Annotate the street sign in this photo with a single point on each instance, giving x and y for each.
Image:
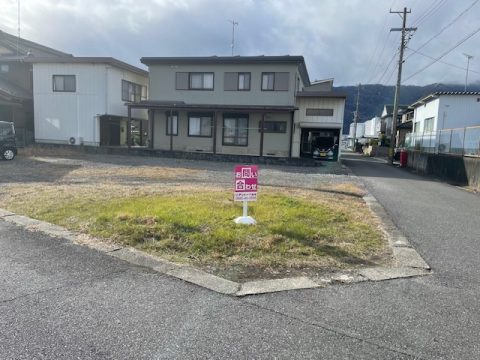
(245, 190)
(246, 177)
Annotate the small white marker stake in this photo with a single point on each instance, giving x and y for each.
(245, 185)
(245, 219)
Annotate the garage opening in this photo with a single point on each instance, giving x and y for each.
(322, 140)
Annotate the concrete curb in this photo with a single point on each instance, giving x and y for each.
(408, 262)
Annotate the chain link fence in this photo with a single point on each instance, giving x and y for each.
(461, 141)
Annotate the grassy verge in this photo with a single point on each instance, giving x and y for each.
(296, 231)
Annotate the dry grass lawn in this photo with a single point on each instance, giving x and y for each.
(299, 231)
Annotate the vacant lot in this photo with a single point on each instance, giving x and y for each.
(309, 220)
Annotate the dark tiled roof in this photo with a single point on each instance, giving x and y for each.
(389, 108)
(22, 47)
(222, 59)
(434, 95)
(457, 93)
(10, 91)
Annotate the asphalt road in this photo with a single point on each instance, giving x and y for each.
(61, 301)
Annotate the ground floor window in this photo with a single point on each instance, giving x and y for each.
(274, 127)
(200, 125)
(172, 123)
(235, 130)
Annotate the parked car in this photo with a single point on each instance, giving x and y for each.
(8, 147)
(325, 149)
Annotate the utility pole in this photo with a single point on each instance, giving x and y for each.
(403, 43)
(355, 119)
(468, 63)
(234, 23)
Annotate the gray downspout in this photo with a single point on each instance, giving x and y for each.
(262, 130)
(171, 129)
(291, 134)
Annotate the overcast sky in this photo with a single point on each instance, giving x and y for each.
(348, 40)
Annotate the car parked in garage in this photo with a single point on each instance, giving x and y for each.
(8, 147)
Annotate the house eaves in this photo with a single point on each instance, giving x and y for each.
(90, 60)
(435, 95)
(323, 94)
(218, 60)
(181, 105)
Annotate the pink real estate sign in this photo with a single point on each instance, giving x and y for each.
(246, 177)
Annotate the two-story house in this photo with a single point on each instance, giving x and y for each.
(81, 101)
(240, 105)
(16, 82)
(446, 110)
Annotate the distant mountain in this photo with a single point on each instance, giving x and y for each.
(374, 97)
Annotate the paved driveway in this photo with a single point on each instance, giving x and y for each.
(58, 300)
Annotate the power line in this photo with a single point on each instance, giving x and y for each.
(442, 62)
(444, 54)
(379, 59)
(391, 74)
(370, 61)
(388, 66)
(447, 26)
(431, 10)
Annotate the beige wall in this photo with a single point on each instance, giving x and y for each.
(318, 122)
(273, 145)
(162, 85)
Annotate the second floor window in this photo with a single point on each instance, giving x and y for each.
(201, 81)
(275, 81)
(131, 92)
(237, 81)
(64, 83)
(428, 126)
(194, 81)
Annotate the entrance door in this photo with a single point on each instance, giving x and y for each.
(109, 131)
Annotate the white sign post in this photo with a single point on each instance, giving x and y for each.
(245, 190)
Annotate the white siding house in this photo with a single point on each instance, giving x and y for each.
(82, 100)
(446, 110)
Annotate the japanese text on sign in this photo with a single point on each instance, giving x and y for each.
(246, 182)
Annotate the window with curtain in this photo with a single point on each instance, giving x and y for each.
(428, 126)
(200, 125)
(172, 123)
(268, 80)
(131, 92)
(201, 81)
(235, 130)
(64, 83)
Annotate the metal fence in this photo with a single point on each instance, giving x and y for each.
(461, 141)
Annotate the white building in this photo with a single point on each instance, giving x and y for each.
(360, 134)
(446, 110)
(373, 127)
(81, 100)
